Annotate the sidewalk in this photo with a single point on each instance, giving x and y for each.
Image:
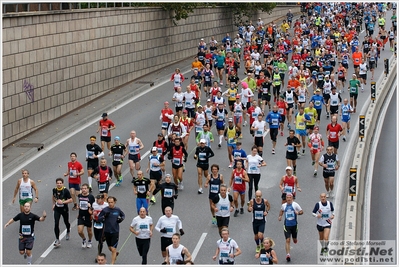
(39, 140)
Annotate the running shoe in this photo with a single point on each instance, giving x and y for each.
(241, 210)
(181, 185)
(236, 213)
(214, 222)
(344, 138)
(262, 246)
(257, 250)
(75, 207)
(313, 163)
(331, 194)
(89, 244)
(219, 145)
(25, 256)
(240, 136)
(289, 126)
(303, 151)
(328, 194)
(118, 183)
(288, 257)
(200, 191)
(294, 173)
(322, 252)
(347, 131)
(231, 165)
(57, 243)
(245, 123)
(120, 178)
(153, 200)
(68, 235)
(273, 151)
(84, 243)
(315, 173)
(282, 134)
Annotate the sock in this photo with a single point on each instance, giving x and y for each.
(295, 168)
(220, 139)
(29, 258)
(257, 241)
(89, 179)
(260, 241)
(260, 153)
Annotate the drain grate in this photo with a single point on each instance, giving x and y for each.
(145, 82)
(39, 146)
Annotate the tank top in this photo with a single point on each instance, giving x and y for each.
(289, 97)
(104, 174)
(315, 140)
(300, 123)
(160, 146)
(199, 117)
(233, 94)
(231, 135)
(208, 112)
(258, 211)
(325, 212)
(334, 99)
(134, 147)
(330, 160)
(154, 159)
(175, 254)
(207, 75)
(263, 259)
(176, 129)
(25, 190)
(289, 184)
(301, 95)
(238, 183)
(214, 185)
(177, 155)
(223, 206)
(237, 110)
(220, 115)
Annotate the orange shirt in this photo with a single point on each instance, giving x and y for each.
(197, 65)
(357, 58)
(294, 83)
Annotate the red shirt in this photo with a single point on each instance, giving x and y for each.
(296, 59)
(333, 132)
(105, 125)
(165, 112)
(73, 169)
(195, 89)
(281, 107)
(238, 182)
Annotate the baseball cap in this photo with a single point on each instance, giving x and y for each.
(104, 115)
(231, 120)
(288, 168)
(117, 138)
(316, 128)
(199, 106)
(100, 196)
(202, 39)
(185, 111)
(208, 100)
(317, 90)
(160, 134)
(238, 96)
(154, 149)
(167, 175)
(327, 76)
(203, 141)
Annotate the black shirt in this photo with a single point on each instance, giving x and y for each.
(62, 194)
(142, 186)
(83, 205)
(27, 223)
(203, 154)
(96, 149)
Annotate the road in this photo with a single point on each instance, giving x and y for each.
(383, 188)
(142, 115)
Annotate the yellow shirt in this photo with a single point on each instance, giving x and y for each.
(300, 123)
(233, 94)
(312, 113)
(285, 27)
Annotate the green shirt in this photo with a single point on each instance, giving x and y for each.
(354, 86)
(282, 67)
(236, 49)
(251, 83)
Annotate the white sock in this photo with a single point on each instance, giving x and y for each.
(29, 259)
(220, 139)
(89, 179)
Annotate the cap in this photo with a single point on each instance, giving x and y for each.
(316, 128)
(117, 138)
(167, 175)
(327, 76)
(208, 100)
(244, 85)
(104, 115)
(231, 120)
(288, 168)
(160, 134)
(166, 102)
(154, 149)
(202, 141)
(238, 96)
(199, 106)
(100, 196)
(317, 90)
(280, 58)
(202, 39)
(185, 111)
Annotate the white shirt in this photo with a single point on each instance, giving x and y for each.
(169, 224)
(261, 127)
(253, 164)
(143, 226)
(179, 99)
(245, 95)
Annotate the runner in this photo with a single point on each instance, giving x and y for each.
(324, 212)
(169, 192)
(253, 164)
(177, 254)
(282, 110)
(93, 153)
(301, 118)
(74, 171)
(238, 112)
(316, 145)
(177, 128)
(220, 114)
(330, 164)
(227, 249)
(246, 94)
(222, 206)
(318, 102)
(61, 199)
(267, 255)
(231, 134)
(291, 210)
(142, 188)
(98, 227)
(189, 125)
(260, 208)
(205, 134)
(134, 146)
(202, 153)
(177, 78)
(142, 227)
(178, 155)
(209, 108)
(155, 165)
(166, 117)
(238, 179)
(214, 181)
(333, 132)
(189, 101)
(178, 97)
(101, 259)
(274, 119)
(239, 154)
(290, 97)
(346, 111)
(259, 129)
(111, 216)
(199, 120)
(25, 187)
(293, 145)
(167, 225)
(26, 230)
(288, 183)
(334, 101)
(105, 126)
(207, 75)
(103, 175)
(118, 153)
(86, 201)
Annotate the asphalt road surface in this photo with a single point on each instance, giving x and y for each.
(142, 115)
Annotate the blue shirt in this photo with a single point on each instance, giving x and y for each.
(274, 119)
(239, 153)
(109, 217)
(318, 101)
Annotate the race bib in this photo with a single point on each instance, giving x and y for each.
(258, 215)
(290, 148)
(290, 215)
(202, 156)
(26, 229)
(101, 187)
(164, 124)
(104, 131)
(90, 154)
(353, 89)
(301, 98)
(73, 174)
(176, 161)
(117, 157)
(83, 205)
(141, 189)
(281, 111)
(237, 180)
(214, 188)
(98, 225)
(288, 189)
(168, 192)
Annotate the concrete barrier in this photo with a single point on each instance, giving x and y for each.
(355, 209)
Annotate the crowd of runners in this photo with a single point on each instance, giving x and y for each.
(296, 74)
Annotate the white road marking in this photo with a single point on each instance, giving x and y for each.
(362, 31)
(198, 246)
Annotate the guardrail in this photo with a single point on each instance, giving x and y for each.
(358, 171)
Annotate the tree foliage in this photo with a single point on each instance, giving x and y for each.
(244, 11)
